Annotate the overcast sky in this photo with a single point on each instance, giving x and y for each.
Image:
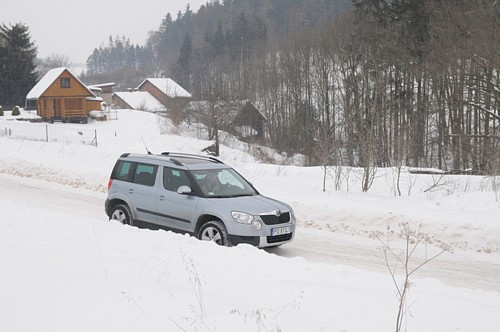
(74, 28)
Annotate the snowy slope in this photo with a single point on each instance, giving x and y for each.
(462, 210)
(70, 270)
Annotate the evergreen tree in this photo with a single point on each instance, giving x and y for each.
(184, 61)
(413, 21)
(218, 40)
(164, 33)
(165, 23)
(17, 64)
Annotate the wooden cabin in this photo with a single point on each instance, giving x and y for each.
(167, 91)
(61, 96)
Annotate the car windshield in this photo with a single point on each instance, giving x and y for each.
(222, 183)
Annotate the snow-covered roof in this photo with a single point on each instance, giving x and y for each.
(141, 100)
(104, 84)
(45, 83)
(168, 87)
(94, 98)
(94, 88)
(47, 80)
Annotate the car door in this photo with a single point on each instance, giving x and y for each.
(175, 210)
(142, 191)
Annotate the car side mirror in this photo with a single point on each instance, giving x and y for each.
(184, 190)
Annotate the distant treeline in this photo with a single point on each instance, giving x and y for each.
(119, 61)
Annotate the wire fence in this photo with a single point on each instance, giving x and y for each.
(103, 115)
(76, 134)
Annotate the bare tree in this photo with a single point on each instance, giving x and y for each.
(404, 260)
(326, 152)
(52, 61)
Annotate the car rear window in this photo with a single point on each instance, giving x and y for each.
(122, 171)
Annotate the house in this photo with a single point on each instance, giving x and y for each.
(167, 91)
(106, 92)
(95, 90)
(137, 100)
(60, 95)
(240, 118)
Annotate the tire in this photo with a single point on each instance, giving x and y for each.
(214, 231)
(121, 213)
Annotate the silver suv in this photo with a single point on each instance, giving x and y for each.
(198, 195)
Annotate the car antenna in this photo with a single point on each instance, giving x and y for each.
(149, 152)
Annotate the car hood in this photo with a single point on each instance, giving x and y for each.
(254, 205)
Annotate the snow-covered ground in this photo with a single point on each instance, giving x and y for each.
(66, 268)
(23, 115)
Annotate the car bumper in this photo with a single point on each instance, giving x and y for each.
(106, 207)
(262, 241)
(271, 241)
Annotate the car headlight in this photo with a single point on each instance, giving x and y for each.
(242, 217)
(292, 215)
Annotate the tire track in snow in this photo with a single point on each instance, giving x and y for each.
(470, 270)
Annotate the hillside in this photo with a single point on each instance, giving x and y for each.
(387, 83)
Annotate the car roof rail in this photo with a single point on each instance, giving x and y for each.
(175, 161)
(194, 156)
(125, 155)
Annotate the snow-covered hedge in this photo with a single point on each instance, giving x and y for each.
(16, 111)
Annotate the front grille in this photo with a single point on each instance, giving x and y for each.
(271, 219)
(279, 238)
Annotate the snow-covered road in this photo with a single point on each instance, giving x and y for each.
(461, 269)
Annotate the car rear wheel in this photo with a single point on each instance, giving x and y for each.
(214, 231)
(121, 213)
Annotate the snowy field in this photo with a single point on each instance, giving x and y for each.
(67, 268)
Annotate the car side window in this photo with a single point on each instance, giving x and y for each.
(122, 171)
(174, 178)
(145, 174)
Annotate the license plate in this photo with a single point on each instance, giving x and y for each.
(281, 230)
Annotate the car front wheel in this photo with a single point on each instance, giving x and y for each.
(122, 214)
(214, 231)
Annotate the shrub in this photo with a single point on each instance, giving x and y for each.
(16, 111)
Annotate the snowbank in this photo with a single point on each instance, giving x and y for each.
(24, 115)
(66, 272)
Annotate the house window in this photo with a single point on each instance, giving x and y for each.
(65, 82)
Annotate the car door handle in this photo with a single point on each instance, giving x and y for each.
(131, 191)
(162, 198)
